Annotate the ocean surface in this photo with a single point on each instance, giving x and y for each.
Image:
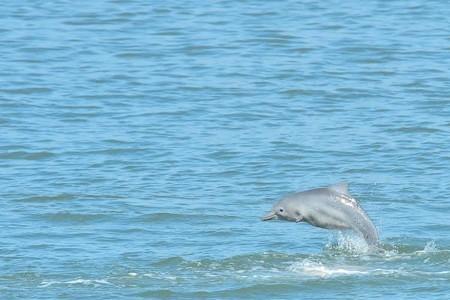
(141, 142)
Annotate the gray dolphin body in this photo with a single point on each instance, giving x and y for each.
(329, 207)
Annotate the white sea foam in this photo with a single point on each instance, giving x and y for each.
(314, 268)
(164, 276)
(318, 269)
(93, 282)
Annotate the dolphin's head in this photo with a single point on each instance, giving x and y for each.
(284, 210)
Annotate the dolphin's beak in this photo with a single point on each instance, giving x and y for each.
(269, 216)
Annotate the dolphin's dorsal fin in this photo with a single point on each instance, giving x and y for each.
(340, 187)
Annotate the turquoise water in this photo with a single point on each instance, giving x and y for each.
(141, 142)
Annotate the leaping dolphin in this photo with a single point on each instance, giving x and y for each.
(329, 207)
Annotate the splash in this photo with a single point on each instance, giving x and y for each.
(430, 247)
(348, 242)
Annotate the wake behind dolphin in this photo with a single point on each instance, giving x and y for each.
(330, 207)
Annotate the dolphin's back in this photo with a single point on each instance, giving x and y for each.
(361, 220)
(331, 209)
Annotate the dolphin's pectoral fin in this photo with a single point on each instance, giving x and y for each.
(298, 217)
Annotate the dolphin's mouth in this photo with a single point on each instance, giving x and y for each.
(269, 216)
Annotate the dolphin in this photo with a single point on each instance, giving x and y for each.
(329, 207)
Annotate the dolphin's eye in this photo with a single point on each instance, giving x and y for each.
(281, 210)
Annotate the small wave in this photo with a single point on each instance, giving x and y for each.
(27, 91)
(161, 293)
(317, 268)
(163, 216)
(69, 217)
(138, 55)
(67, 197)
(46, 198)
(79, 281)
(175, 260)
(269, 290)
(314, 268)
(26, 155)
(415, 129)
(394, 248)
(233, 263)
(113, 151)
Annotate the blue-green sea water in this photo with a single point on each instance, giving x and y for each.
(141, 142)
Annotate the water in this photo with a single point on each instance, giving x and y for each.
(140, 143)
